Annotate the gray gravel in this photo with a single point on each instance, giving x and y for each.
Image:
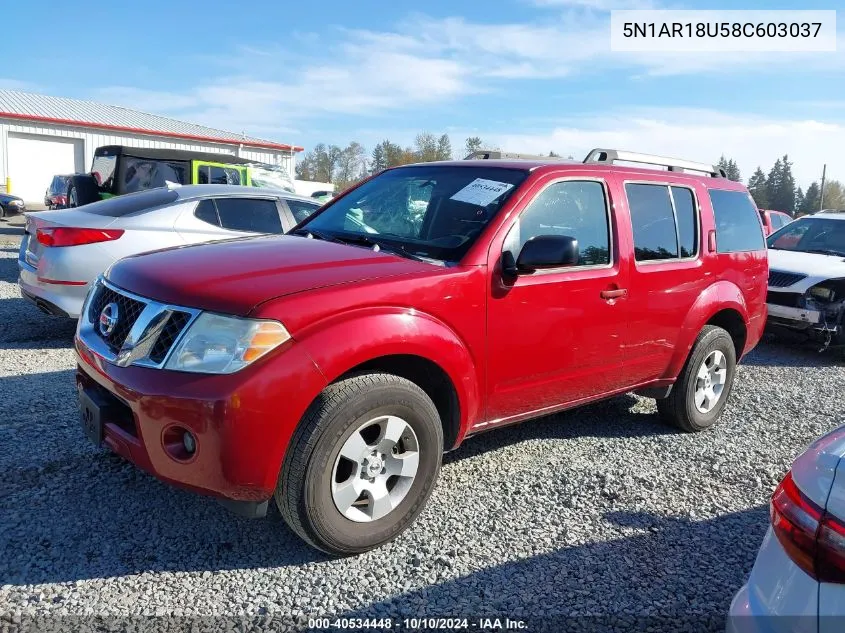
(601, 511)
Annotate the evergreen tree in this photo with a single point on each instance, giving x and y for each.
(730, 167)
(799, 199)
(810, 203)
(378, 160)
(785, 200)
(758, 188)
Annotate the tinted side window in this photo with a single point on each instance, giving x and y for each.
(301, 210)
(224, 176)
(202, 175)
(653, 222)
(141, 174)
(687, 220)
(574, 208)
(249, 214)
(737, 227)
(207, 212)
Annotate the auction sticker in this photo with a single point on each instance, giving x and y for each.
(481, 192)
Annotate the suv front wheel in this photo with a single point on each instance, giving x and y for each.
(362, 464)
(701, 391)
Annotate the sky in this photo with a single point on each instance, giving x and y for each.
(525, 75)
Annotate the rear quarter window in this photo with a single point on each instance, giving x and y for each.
(738, 227)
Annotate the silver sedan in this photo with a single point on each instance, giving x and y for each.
(64, 251)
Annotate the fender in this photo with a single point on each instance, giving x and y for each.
(341, 343)
(720, 296)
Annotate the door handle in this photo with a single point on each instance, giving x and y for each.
(619, 293)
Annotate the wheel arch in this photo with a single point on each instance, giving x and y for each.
(417, 347)
(722, 304)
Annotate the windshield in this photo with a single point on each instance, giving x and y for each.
(272, 177)
(103, 171)
(429, 211)
(811, 235)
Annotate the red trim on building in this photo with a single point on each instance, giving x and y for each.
(135, 130)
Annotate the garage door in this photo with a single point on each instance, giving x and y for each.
(34, 160)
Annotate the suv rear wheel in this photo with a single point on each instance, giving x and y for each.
(701, 392)
(362, 464)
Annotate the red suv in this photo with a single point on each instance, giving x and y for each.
(331, 368)
(774, 220)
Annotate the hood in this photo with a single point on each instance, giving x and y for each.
(815, 470)
(235, 276)
(7, 197)
(817, 267)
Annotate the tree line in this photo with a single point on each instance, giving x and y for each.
(344, 166)
(777, 191)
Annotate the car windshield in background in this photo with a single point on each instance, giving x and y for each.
(811, 235)
(103, 170)
(428, 211)
(271, 177)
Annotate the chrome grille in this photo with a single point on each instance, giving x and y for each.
(176, 323)
(129, 310)
(145, 332)
(779, 279)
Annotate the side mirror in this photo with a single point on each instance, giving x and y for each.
(547, 251)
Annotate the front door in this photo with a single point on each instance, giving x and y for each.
(556, 336)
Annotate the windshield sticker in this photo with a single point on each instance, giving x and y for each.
(481, 192)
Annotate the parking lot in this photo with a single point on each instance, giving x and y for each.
(599, 511)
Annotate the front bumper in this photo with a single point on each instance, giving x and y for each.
(14, 209)
(242, 422)
(801, 317)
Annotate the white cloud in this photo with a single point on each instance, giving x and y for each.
(423, 63)
(700, 135)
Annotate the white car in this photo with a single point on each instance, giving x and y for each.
(807, 277)
(798, 580)
(64, 251)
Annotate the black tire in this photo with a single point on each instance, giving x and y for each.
(679, 408)
(303, 494)
(82, 190)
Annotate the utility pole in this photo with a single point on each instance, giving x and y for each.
(821, 194)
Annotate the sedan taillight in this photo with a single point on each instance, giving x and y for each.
(66, 236)
(813, 539)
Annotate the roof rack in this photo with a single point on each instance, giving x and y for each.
(610, 156)
(491, 154)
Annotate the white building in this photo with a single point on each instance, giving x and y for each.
(42, 136)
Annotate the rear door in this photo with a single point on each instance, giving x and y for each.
(667, 273)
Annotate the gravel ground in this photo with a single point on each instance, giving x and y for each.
(601, 511)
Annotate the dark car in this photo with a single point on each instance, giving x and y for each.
(10, 205)
(56, 195)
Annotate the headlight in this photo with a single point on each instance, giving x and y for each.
(15, 203)
(216, 344)
(822, 293)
